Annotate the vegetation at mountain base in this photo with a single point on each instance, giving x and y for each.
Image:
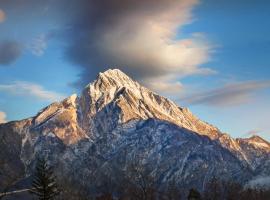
(44, 184)
(136, 184)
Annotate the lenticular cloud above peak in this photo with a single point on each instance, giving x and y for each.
(141, 38)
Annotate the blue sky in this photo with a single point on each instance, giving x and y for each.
(212, 57)
(242, 54)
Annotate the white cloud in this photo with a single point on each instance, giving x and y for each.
(31, 90)
(3, 117)
(38, 45)
(141, 38)
(165, 86)
(2, 16)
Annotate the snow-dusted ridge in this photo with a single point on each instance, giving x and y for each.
(116, 119)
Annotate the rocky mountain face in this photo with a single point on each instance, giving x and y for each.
(116, 122)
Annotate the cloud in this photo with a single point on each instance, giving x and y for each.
(9, 52)
(30, 90)
(259, 183)
(2, 16)
(38, 45)
(165, 87)
(139, 37)
(3, 117)
(253, 132)
(142, 38)
(228, 95)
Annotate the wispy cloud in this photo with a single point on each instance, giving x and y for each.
(31, 90)
(9, 51)
(228, 95)
(259, 183)
(2, 16)
(3, 117)
(38, 45)
(165, 87)
(253, 132)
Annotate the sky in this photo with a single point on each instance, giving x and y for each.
(210, 56)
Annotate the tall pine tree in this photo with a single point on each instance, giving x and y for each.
(44, 184)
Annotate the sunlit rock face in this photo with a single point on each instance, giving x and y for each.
(115, 121)
(115, 90)
(257, 152)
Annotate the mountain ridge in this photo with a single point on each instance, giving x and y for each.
(116, 119)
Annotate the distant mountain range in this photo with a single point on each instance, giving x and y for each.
(116, 122)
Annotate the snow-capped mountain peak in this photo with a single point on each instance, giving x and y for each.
(114, 120)
(113, 87)
(112, 78)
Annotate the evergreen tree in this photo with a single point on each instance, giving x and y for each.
(44, 183)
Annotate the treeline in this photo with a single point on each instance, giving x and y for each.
(136, 183)
(214, 190)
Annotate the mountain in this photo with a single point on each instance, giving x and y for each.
(116, 123)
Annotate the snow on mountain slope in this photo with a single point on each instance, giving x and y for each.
(61, 120)
(137, 102)
(133, 101)
(114, 121)
(256, 142)
(257, 151)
